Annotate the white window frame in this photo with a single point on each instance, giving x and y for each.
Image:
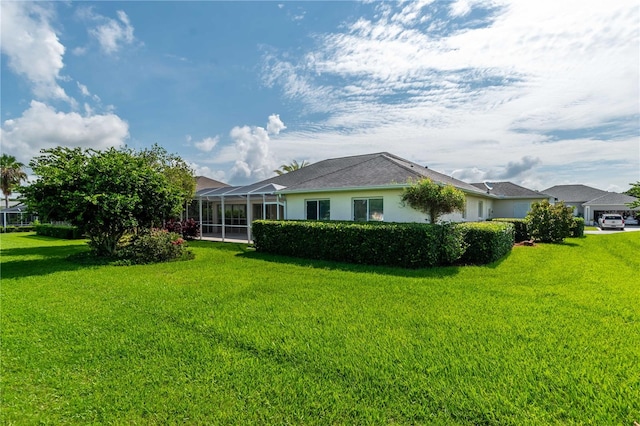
(317, 201)
(481, 209)
(368, 200)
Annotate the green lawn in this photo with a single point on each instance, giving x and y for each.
(549, 335)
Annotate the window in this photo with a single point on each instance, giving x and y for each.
(464, 210)
(318, 210)
(365, 209)
(480, 209)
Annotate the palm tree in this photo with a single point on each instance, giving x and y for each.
(11, 175)
(286, 168)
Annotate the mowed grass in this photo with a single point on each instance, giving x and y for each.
(549, 335)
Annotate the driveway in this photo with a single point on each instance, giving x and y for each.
(613, 231)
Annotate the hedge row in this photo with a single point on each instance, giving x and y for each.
(522, 233)
(59, 231)
(12, 228)
(486, 241)
(409, 245)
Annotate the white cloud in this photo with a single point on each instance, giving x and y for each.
(207, 144)
(536, 78)
(254, 160)
(32, 47)
(42, 127)
(112, 34)
(275, 125)
(205, 171)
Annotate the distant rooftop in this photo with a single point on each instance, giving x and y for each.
(509, 189)
(574, 193)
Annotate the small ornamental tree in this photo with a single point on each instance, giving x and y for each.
(104, 193)
(550, 223)
(433, 199)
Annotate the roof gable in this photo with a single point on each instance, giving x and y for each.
(612, 198)
(370, 170)
(574, 193)
(509, 189)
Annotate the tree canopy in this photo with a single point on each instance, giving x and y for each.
(294, 165)
(433, 199)
(634, 192)
(107, 193)
(11, 174)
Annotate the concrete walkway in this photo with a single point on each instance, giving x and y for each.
(613, 231)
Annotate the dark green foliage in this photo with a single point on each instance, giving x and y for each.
(409, 245)
(549, 223)
(577, 230)
(59, 231)
(153, 246)
(105, 193)
(433, 198)
(189, 229)
(11, 228)
(521, 233)
(487, 241)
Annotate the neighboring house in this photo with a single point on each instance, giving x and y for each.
(359, 188)
(591, 203)
(192, 209)
(16, 215)
(513, 201)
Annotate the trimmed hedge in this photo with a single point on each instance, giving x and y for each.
(12, 228)
(486, 241)
(59, 231)
(409, 245)
(577, 231)
(521, 231)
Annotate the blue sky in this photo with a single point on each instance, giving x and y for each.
(538, 93)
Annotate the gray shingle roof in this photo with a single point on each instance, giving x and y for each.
(509, 189)
(574, 193)
(370, 170)
(203, 182)
(612, 198)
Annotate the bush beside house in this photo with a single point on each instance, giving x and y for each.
(486, 241)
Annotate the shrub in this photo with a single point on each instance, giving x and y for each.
(550, 223)
(154, 245)
(521, 230)
(59, 231)
(486, 241)
(189, 229)
(410, 245)
(577, 230)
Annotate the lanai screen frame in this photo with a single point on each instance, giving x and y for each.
(266, 191)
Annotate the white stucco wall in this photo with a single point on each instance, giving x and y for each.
(513, 208)
(394, 211)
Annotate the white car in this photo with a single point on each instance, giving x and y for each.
(631, 221)
(611, 221)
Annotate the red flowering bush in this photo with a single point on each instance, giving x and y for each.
(155, 245)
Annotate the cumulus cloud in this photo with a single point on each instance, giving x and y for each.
(254, 160)
(206, 171)
(207, 144)
(111, 34)
(32, 47)
(42, 127)
(516, 168)
(275, 125)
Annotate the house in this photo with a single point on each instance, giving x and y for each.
(513, 201)
(359, 188)
(591, 203)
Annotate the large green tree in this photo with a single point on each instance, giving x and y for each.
(634, 192)
(286, 168)
(105, 193)
(433, 198)
(11, 175)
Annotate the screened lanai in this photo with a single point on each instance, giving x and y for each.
(227, 212)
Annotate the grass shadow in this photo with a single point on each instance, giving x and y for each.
(435, 272)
